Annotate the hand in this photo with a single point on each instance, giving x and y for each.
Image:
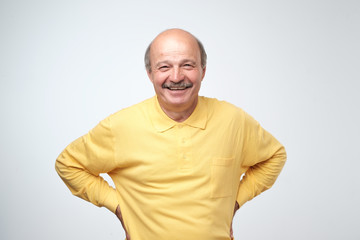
(119, 215)
(231, 228)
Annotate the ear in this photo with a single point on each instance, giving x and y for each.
(203, 73)
(149, 75)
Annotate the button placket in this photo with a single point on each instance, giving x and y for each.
(184, 148)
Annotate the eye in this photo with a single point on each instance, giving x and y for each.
(188, 66)
(163, 68)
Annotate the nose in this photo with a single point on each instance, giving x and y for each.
(176, 75)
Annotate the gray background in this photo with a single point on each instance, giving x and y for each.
(293, 65)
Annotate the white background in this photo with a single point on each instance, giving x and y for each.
(293, 65)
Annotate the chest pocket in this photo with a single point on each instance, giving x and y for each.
(222, 177)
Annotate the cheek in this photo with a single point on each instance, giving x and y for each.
(195, 77)
(159, 78)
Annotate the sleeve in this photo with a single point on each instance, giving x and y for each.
(80, 164)
(263, 157)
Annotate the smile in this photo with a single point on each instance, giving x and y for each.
(177, 86)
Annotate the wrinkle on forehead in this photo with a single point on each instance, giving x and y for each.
(175, 43)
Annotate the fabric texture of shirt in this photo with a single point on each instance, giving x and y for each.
(173, 180)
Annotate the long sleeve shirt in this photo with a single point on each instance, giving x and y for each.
(173, 180)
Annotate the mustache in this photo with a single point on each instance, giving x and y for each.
(181, 85)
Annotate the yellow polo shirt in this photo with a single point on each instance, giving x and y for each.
(173, 180)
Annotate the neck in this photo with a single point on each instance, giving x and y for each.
(179, 114)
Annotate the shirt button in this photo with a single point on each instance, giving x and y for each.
(184, 156)
(180, 126)
(183, 140)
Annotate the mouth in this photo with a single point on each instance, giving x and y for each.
(177, 86)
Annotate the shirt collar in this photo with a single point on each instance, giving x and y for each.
(162, 122)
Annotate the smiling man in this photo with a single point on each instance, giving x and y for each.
(181, 164)
(176, 70)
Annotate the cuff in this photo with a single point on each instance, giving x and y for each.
(111, 201)
(243, 196)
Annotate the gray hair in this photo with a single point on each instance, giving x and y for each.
(203, 55)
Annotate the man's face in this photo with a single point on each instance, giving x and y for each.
(176, 71)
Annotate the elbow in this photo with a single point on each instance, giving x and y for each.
(282, 154)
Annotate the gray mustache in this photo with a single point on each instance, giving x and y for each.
(177, 85)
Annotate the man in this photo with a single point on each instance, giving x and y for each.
(176, 159)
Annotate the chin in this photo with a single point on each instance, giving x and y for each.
(177, 102)
(180, 101)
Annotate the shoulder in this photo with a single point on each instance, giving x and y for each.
(133, 115)
(223, 109)
(228, 113)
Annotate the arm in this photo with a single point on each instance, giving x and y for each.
(231, 228)
(120, 217)
(80, 164)
(263, 157)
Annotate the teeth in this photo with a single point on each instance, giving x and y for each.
(177, 88)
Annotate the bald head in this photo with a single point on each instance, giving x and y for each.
(174, 34)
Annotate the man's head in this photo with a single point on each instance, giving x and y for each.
(201, 48)
(176, 64)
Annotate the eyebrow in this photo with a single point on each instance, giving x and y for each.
(182, 62)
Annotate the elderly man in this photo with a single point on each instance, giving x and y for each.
(181, 164)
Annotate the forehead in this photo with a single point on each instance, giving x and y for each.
(175, 46)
